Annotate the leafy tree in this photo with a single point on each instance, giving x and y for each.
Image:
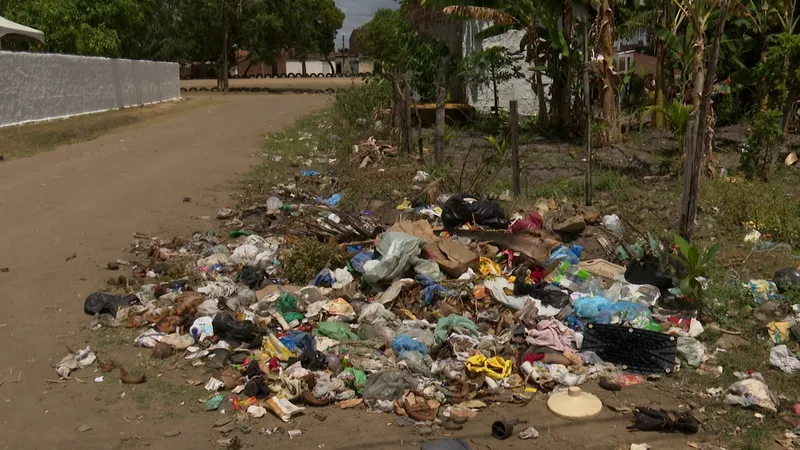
(312, 28)
(491, 66)
(86, 27)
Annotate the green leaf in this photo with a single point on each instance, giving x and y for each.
(686, 286)
(694, 256)
(711, 254)
(683, 246)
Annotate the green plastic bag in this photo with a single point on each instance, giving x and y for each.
(445, 324)
(335, 330)
(287, 306)
(360, 381)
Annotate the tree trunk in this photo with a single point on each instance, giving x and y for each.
(763, 100)
(660, 56)
(605, 19)
(333, 69)
(536, 81)
(696, 134)
(441, 99)
(405, 130)
(788, 106)
(565, 97)
(303, 63)
(698, 65)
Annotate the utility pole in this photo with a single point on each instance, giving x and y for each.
(224, 47)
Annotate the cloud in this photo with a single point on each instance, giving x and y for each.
(357, 13)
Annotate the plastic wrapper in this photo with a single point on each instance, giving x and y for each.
(496, 367)
(782, 358)
(342, 278)
(690, 351)
(283, 408)
(417, 362)
(376, 314)
(751, 392)
(335, 330)
(763, 290)
(453, 322)
(74, 361)
(274, 348)
(419, 334)
(396, 249)
(403, 343)
(785, 279)
(602, 310)
(387, 385)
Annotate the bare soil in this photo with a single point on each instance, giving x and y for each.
(86, 200)
(278, 83)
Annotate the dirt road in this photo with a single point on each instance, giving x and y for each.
(86, 200)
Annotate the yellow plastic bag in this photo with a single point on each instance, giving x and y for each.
(496, 367)
(779, 332)
(489, 267)
(274, 348)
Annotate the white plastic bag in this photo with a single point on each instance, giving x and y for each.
(395, 249)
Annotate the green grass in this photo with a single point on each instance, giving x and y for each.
(573, 188)
(27, 140)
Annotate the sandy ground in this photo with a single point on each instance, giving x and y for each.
(87, 199)
(278, 83)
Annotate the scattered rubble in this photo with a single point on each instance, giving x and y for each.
(430, 319)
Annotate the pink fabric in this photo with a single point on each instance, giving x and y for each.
(532, 221)
(552, 334)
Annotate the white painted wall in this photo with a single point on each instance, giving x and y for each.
(42, 86)
(482, 97)
(317, 67)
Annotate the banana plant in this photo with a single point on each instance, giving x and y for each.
(696, 263)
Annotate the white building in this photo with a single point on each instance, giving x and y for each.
(521, 90)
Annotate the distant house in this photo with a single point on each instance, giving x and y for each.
(359, 61)
(460, 36)
(246, 67)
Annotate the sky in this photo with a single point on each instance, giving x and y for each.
(357, 13)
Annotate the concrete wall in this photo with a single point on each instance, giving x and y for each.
(482, 97)
(41, 86)
(296, 67)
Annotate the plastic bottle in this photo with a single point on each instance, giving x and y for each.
(576, 279)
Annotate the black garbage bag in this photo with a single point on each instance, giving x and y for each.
(313, 360)
(648, 419)
(252, 276)
(461, 208)
(648, 271)
(254, 382)
(549, 294)
(786, 279)
(227, 327)
(102, 303)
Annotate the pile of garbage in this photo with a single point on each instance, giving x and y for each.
(432, 319)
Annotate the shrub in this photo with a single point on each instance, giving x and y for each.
(760, 147)
(361, 110)
(306, 257)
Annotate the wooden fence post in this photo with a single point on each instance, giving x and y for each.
(515, 146)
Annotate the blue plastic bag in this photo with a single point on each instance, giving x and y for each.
(430, 288)
(405, 343)
(562, 253)
(601, 310)
(360, 259)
